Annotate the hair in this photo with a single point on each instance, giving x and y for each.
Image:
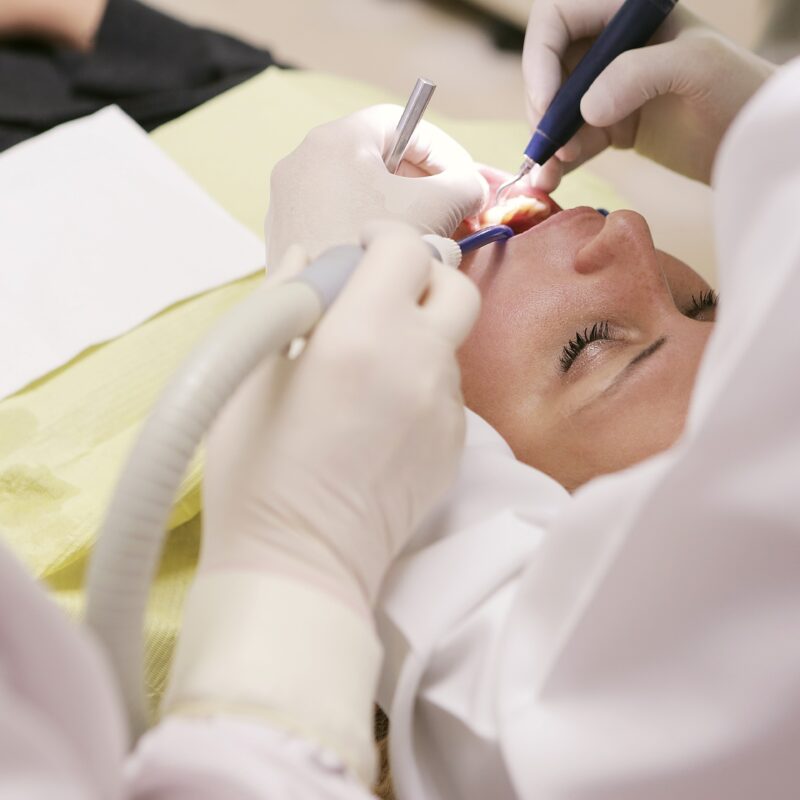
(383, 786)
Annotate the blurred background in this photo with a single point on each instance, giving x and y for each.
(471, 49)
(157, 68)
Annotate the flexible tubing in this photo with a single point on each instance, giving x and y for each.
(129, 547)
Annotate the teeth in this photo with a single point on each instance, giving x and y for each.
(515, 208)
(536, 204)
(494, 216)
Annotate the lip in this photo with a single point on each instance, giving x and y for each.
(513, 212)
(483, 265)
(560, 218)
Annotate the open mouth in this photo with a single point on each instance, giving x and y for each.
(524, 208)
(520, 213)
(516, 215)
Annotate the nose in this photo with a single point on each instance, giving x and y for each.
(623, 252)
(621, 262)
(623, 241)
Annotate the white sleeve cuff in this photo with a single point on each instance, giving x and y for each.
(269, 647)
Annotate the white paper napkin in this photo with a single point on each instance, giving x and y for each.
(100, 230)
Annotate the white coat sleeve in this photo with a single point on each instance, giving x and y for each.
(230, 758)
(62, 733)
(647, 646)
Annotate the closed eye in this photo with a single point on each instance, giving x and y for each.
(704, 301)
(599, 331)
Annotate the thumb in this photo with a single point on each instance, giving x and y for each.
(633, 79)
(435, 203)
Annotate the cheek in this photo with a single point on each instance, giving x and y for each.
(505, 360)
(504, 372)
(648, 419)
(488, 370)
(573, 451)
(682, 280)
(645, 429)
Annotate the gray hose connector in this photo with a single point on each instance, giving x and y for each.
(329, 272)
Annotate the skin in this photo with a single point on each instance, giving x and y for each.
(620, 401)
(73, 23)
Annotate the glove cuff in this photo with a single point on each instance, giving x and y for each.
(268, 647)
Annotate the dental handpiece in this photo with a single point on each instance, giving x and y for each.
(631, 27)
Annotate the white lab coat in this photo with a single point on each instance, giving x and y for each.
(62, 733)
(638, 641)
(641, 639)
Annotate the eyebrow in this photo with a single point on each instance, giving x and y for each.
(646, 353)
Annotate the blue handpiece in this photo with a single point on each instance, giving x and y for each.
(631, 27)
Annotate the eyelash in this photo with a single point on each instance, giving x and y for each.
(598, 332)
(701, 302)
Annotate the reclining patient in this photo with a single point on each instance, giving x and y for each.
(588, 343)
(589, 338)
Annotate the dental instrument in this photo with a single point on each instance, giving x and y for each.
(412, 114)
(631, 27)
(495, 233)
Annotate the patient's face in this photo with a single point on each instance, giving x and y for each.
(588, 343)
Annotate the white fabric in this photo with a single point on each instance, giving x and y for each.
(641, 639)
(99, 231)
(61, 731)
(235, 759)
(278, 663)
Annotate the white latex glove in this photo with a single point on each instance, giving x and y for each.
(323, 192)
(672, 101)
(322, 466)
(317, 472)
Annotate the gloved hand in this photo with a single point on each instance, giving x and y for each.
(324, 465)
(323, 192)
(672, 101)
(316, 474)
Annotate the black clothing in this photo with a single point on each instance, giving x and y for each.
(154, 67)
